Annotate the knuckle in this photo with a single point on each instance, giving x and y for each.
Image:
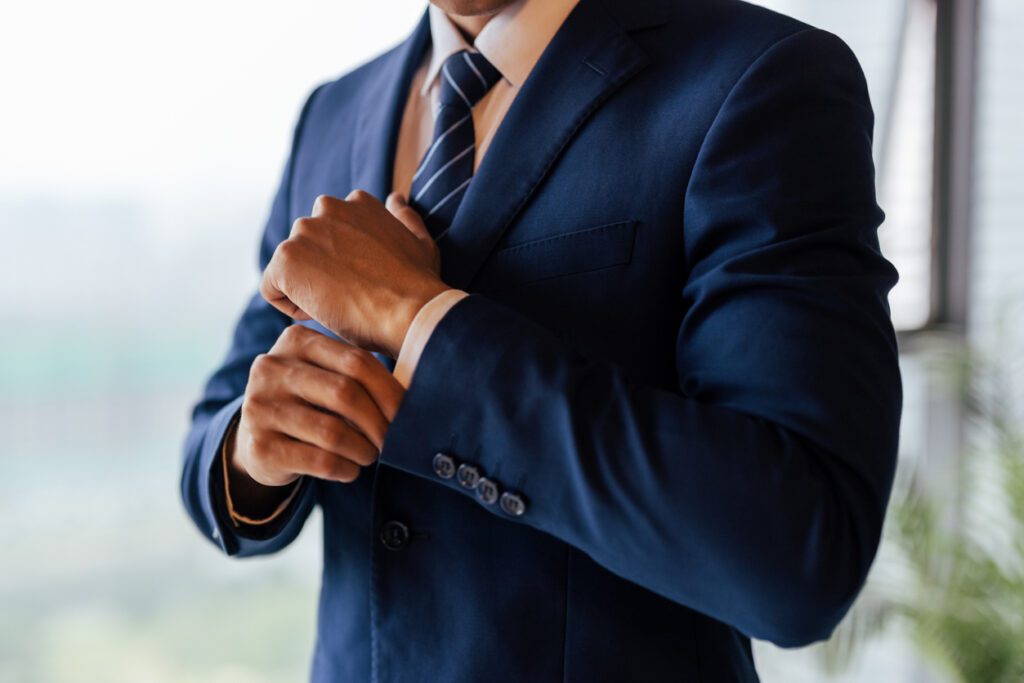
(344, 391)
(284, 252)
(358, 196)
(294, 334)
(301, 226)
(260, 366)
(290, 252)
(264, 376)
(324, 203)
(323, 464)
(332, 436)
(354, 361)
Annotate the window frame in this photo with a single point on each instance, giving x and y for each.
(954, 146)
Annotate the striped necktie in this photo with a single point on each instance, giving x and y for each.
(443, 176)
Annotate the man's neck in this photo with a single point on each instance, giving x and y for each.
(470, 26)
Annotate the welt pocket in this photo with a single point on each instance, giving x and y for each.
(569, 253)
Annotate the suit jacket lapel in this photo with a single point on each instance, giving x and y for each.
(590, 56)
(380, 116)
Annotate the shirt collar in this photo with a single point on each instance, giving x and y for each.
(513, 40)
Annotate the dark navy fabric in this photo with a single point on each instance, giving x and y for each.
(443, 175)
(677, 354)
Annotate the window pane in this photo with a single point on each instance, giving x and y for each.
(997, 277)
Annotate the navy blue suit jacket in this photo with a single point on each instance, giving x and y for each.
(677, 349)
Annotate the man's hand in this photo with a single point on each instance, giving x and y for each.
(360, 268)
(313, 405)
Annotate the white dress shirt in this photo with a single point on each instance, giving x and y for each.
(513, 40)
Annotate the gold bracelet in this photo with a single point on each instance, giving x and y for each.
(236, 518)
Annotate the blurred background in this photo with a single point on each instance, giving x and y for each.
(139, 147)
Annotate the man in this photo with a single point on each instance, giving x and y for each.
(646, 398)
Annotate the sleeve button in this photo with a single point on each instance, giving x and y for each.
(487, 491)
(512, 504)
(468, 476)
(444, 465)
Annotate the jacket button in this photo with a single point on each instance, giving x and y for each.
(487, 491)
(394, 535)
(444, 465)
(512, 504)
(468, 476)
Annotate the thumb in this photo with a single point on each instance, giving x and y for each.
(401, 210)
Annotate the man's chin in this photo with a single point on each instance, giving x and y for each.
(471, 8)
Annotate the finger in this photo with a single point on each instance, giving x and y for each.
(360, 197)
(326, 431)
(345, 359)
(278, 300)
(325, 205)
(272, 291)
(408, 216)
(298, 457)
(339, 394)
(360, 365)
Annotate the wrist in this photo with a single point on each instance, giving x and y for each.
(420, 331)
(404, 312)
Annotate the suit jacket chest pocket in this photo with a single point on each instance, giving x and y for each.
(571, 253)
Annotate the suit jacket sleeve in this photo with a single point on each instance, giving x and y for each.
(755, 493)
(256, 331)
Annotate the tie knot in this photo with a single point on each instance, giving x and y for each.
(465, 78)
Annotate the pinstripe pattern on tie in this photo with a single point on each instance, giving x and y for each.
(446, 169)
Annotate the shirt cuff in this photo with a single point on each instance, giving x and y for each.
(236, 518)
(420, 330)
